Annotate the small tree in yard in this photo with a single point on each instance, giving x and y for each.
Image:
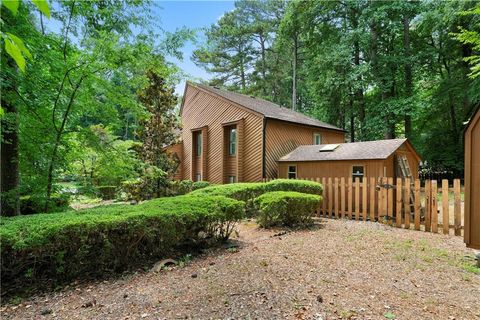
(160, 128)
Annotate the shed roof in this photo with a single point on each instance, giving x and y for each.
(368, 150)
(266, 108)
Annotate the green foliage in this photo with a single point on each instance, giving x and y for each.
(200, 185)
(32, 204)
(59, 247)
(247, 192)
(380, 69)
(107, 192)
(152, 183)
(286, 208)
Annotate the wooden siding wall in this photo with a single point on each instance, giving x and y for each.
(472, 183)
(177, 149)
(231, 164)
(338, 168)
(283, 137)
(203, 109)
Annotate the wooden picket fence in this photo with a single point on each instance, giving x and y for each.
(401, 203)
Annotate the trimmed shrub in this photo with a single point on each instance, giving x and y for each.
(248, 191)
(286, 208)
(200, 185)
(58, 247)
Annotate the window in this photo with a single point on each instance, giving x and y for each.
(198, 177)
(232, 142)
(317, 138)
(232, 179)
(292, 172)
(358, 172)
(198, 143)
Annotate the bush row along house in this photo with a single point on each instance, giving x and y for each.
(229, 137)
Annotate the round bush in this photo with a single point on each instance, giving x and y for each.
(286, 208)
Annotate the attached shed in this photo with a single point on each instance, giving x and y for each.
(472, 182)
(381, 158)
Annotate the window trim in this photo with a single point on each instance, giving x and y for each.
(290, 172)
(230, 131)
(315, 135)
(357, 175)
(198, 143)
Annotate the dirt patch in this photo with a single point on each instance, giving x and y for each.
(337, 270)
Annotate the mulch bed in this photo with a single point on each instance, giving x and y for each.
(336, 270)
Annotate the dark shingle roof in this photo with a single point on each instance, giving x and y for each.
(368, 150)
(267, 108)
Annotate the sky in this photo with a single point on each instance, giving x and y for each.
(193, 15)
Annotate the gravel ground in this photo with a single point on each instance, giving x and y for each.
(337, 270)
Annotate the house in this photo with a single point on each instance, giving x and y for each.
(381, 158)
(472, 182)
(229, 137)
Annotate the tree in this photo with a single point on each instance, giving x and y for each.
(160, 129)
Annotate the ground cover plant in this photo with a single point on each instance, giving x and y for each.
(58, 247)
(286, 208)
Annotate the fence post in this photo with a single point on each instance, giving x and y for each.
(445, 207)
(398, 212)
(434, 207)
(417, 204)
(457, 208)
(380, 200)
(406, 203)
(428, 194)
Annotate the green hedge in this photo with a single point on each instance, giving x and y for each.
(286, 208)
(248, 191)
(55, 248)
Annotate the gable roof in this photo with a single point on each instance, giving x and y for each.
(266, 108)
(368, 150)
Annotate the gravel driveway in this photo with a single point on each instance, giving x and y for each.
(337, 270)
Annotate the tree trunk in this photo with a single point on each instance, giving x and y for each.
(294, 72)
(58, 139)
(10, 204)
(408, 75)
(359, 92)
(264, 65)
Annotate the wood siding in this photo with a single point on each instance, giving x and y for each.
(343, 168)
(337, 168)
(202, 109)
(176, 151)
(282, 138)
(472, 183)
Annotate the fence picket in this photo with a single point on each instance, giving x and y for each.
(330, 197)
(372, 199)
(406, 203)
(336, 198)
(342, 197)
(390, 199)
(350, 198)
(325, 198)
(457, 208)
(357, 198)
(380, 200)
(428, 194)
(434, 207)
(398, 212)
(417, 204)
(445, 207)
(364, 198)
